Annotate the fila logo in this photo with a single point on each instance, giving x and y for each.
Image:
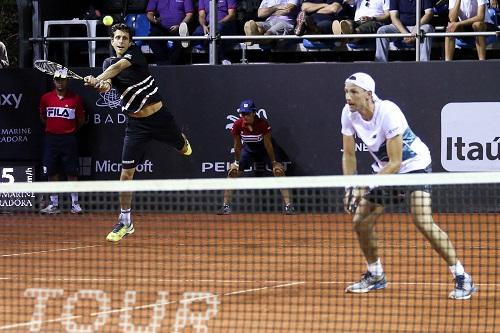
(57, 112)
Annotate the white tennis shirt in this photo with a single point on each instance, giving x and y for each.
(388, 121)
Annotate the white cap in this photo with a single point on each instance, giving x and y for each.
(362, 80)
(61, 73)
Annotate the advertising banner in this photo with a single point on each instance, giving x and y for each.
(20, 126)
(470, 139)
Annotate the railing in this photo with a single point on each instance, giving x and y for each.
(213, 37)
(212, 53)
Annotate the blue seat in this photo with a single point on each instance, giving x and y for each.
(138, 26)
(362, 45)
(142, 27)
(130, 20)
(470, 42)
(318, 44)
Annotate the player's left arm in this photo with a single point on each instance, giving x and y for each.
(395, 154)
(278, 169)
(268, 144)
(114, 69)
(237, 147)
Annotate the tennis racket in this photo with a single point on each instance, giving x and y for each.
(49, 67)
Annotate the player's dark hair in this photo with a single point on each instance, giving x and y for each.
(123, 27)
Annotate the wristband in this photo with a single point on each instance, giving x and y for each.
(236, 163)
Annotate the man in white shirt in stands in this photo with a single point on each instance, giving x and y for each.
(369, 16)
(279, 19)
(468, 16)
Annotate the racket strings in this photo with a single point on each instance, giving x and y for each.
(50, 68)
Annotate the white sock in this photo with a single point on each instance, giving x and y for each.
(125, 213)
(54, 200)
(74, 198)
(376, 268)
(457, 269)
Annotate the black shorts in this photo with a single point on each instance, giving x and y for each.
(60, 154)
(256, 159)
(387, 195)
(159, 126)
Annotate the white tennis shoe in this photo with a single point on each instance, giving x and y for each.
(184, 32)
(50, 209)
(76, 208)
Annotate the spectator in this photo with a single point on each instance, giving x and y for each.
(468, 16)
(61, 110)
(252, 142)
(226, 21)
(4, 59)
(169, 18)
(403, 17)
(279, 18)
(317, 16)
(370, 15)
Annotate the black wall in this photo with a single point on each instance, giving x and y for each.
(302, 102)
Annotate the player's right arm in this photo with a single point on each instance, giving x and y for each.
(352, 195)
(234, 168)
(237, 147)
(349, 162)
(103, 81)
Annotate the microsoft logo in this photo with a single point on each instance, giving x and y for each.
(85, 166)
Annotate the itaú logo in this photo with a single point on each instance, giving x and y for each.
(470, 139)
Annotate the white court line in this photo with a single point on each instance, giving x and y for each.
(263, 288)
(49, 251)
(279, 283)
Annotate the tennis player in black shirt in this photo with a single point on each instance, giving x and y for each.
(148, 118)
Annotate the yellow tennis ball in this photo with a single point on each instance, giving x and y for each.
(107, 20)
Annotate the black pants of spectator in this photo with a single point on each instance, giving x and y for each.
(324, 26)
(367, 27)
(165, 52)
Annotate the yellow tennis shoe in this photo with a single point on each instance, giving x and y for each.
(119, 231)
(187, 151)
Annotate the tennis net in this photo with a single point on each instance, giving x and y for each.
(187, 269)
